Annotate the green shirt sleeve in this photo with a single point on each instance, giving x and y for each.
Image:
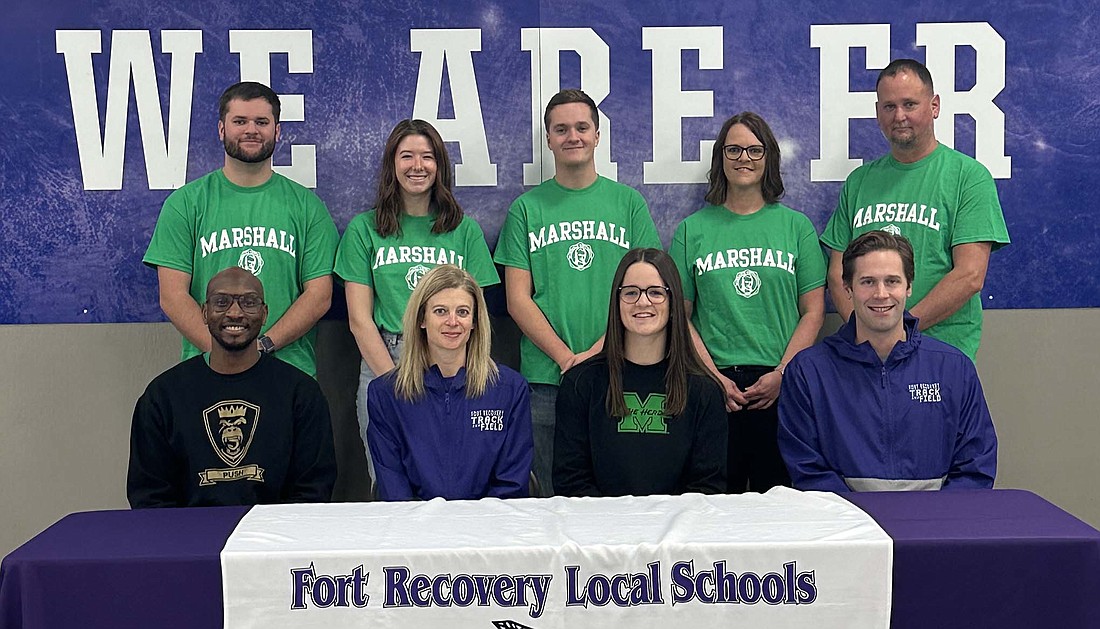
(643, 224)
(810, 272)
(353, 257)
(838, 231)
(979, 218)
(478, 261)
(678, 252)
(173, 243)
(321, 241)
(512, 245)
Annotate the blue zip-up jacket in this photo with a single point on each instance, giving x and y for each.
(447, 445)
(848, 421)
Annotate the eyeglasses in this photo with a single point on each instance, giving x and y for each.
(249, 302)
(655, 294)
(733, 151)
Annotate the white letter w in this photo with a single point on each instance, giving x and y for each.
(102, 153)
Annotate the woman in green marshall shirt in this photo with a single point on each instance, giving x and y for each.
(416, 224)
(754, 276)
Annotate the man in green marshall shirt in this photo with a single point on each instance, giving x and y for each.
(944, 202)
(247, 215)
(560, 246)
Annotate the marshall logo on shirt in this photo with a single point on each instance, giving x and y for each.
(230, 425)
(412, 277)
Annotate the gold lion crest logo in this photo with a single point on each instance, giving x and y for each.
(230, 427)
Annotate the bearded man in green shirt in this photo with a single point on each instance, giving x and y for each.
(247, 215)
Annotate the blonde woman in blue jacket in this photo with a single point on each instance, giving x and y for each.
(448, 421)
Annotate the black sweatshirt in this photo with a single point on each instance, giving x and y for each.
(200, 438)
(645, 452)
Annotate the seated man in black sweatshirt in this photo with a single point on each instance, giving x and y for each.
(235, 426)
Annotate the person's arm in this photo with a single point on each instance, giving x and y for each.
(573, 472)
(811, 308)
(361, 320)
(154, 467)
(836, 285)
(734, 398)
(318, 256)
(512, 470)
(180, 307)
(312, 472)
(965, 279)
(799, 442)
(974, 463)
(385, 445)
(706, 471)
(596, 348)
(304, 313)
(531, 321)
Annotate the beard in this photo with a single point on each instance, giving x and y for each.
(239, 344)
(233, 149)
(904, 142)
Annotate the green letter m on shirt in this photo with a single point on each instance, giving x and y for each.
(647, 416)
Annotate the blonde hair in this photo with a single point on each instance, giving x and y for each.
(415, 358)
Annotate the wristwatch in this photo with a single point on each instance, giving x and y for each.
(267, 346)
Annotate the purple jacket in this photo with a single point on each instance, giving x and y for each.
(447, 445)
(848, 421)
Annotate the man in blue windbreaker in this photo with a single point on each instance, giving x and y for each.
(878, 406)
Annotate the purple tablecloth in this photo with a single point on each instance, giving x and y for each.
(146, 569)
(1004, 558)
(975, 559)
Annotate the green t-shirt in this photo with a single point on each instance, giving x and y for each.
(280, 231)
(745, 274)
(943, 200)
(393, 265)
(571, 241)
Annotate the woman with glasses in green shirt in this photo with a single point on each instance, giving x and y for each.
(754, 276)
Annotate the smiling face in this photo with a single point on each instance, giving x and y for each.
(878, 291)
(742, 172)
(447, 321)
(234, 328)
(572, 135)
(643, 318)
(415, 166)
(907, 110)
(249, 130)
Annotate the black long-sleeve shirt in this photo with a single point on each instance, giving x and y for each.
(200, 438)
(645, 452)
